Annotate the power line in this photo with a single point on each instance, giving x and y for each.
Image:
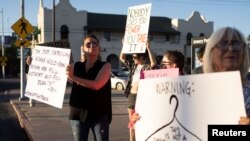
(230, 1)
(209, 2)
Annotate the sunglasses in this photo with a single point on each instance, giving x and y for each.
(135, 57)
(236, 45)
(91, 44)
(164, 65)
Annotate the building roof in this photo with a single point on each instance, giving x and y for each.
(118, 22)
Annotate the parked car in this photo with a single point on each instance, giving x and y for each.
(124, 70)
(118, 80)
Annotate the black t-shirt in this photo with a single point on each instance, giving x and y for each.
(96, 102)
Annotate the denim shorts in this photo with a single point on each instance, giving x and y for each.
(131, 101)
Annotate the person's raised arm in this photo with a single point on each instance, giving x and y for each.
(122, 57)
(151, 56)
(100, 80)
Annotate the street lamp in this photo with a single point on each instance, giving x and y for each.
(53, 22)
(22, 61)
(3, 65)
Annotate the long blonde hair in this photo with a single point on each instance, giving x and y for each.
(215, 38)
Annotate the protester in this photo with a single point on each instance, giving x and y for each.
(226, 50)
(200, 54)
(135, 67)
(90, 99)
(173, 59)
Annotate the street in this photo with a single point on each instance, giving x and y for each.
(10, 129)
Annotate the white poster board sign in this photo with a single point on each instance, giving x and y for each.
(137, 25)
(46, 80)
(181, 108)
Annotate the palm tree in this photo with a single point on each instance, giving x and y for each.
(36, 32)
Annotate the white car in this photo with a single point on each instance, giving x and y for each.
(124, 70)
(118, 80)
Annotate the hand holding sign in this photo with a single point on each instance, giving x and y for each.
(70, 71)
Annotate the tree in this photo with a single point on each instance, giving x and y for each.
(36, 32)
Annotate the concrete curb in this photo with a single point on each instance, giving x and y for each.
(46, 123)
(24, 122)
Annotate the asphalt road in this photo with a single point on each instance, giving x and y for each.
(10, 129)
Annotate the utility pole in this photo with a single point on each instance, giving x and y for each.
(53, 22)
(22, 61)
(3, 66)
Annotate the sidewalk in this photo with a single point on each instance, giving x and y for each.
(43, 122)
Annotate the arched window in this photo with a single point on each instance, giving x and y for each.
(188, 39)
(64, 32)
(167, 37)
(107, 35)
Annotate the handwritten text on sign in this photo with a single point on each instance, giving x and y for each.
(173, 72)
(46, 77)
(182, 107)
(136, 32)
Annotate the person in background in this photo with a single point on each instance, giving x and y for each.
(173, 59)
(226, 50)
(200, 54)
(90, 99)
(138, 64)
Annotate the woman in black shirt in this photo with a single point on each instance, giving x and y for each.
(90, 100)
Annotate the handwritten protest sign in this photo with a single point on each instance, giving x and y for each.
(46, 77)
(181, 108)
(59, 44)
(136, 33)
(173, 72)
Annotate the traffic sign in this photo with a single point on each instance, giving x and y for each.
(22, 27)
(3, 64)
(26, 52)
(25, 43)
(3, 60)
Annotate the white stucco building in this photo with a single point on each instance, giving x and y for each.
(164, 33)
(193, 26)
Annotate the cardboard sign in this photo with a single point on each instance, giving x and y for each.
(46, 78)
(136, 33)
(174, 72)
(181, 108)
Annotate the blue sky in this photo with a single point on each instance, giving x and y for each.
(235, 13)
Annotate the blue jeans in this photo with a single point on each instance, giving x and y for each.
(99, 128)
